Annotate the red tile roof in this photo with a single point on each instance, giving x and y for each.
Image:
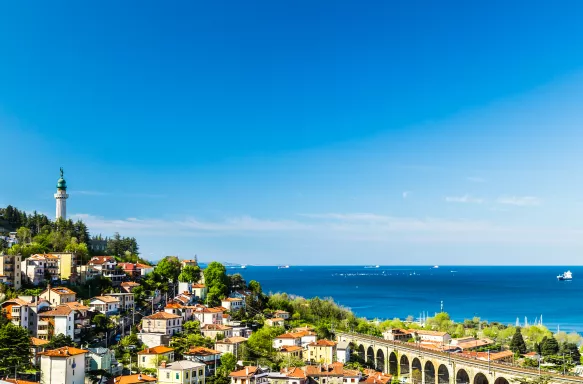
(64, 352)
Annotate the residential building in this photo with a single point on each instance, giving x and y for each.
(292, 375)
(395, 334)
(184, 311)
(107, 266)
(233, 304)
(241, 294)
(343, 352)
(104, 359)
(275, 322)
(23, 311)
(40, 267)
(107, 305)
(498, 357)
(241, 331)
(208, 315)
(151, 357)
(249, 375)
(126, 300)
(374, 377)
(57, 321)
(209, 357)
(232, 345)
(200, 291)
(302, 339)
(38, 346)
(442, 338)
(10, 270)
(64, 365)
(162, 322)
(283, 314)
(136, 270)
(214, 330)
(289, 352)
(181, 372)
(58, 295)
(331, 374)
(468, 343)
(82, 318)
(129, 286)
(138, 378)
(322, 351)
(190, 263)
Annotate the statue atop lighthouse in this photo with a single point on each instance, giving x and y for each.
(61, 197)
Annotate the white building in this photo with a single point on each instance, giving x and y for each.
(181, 372)
(433, 336)
(36, 267)
(162, 322)
(207, 315)
(249, 375)
(58, 295)
(107, 266)
(58, 321)
(343, 352)
(108, 305)
(10, 270)
(23, 311)
(126, 300)
(64, 365)
(233, 304)
(61, 198)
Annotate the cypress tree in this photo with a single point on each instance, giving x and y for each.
(517, 345)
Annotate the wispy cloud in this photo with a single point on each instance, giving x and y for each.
(466, 199)
(521, 201)
(475, 179)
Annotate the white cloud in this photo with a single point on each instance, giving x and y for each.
(521, 201)
(475, 179)
(464, 199)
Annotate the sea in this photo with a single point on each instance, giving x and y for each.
(501, 294)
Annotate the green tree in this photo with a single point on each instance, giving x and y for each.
(15, 348)
(571, 350)
(169, 268)
(255, 287)
(61, 340)
(24, 235)
(215, 276)
(189, 274)
(236, 282)
(517, 345)
(228, 363)
(191, 327)
(102, 323)
(79, 249)
(549, 346)
(536, 380)
(259, 344)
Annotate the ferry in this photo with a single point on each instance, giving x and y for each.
(243, 266)
(283, 267)
(371, 267)
(566, 276)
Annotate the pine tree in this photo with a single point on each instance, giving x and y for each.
(517, 345)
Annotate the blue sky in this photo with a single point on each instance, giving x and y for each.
(302, 132)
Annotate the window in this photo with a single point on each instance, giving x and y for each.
(143, 359)
(167, 375)
(200, 372)
(186, 375)
(177, 375)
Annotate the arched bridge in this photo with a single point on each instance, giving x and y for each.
(417, 365)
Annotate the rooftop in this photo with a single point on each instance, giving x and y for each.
(162, 316)
(60, 291)
(64, 352)
(201, 351)
(106, 299)
(182, 365)
(134, 379)
(156, 350)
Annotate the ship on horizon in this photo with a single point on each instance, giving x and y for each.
(371, 266)
(283, 267)
(566, 276)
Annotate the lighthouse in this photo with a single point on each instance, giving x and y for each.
(61, 198)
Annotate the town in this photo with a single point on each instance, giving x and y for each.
(80, 309)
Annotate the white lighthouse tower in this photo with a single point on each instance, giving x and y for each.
(61, 198)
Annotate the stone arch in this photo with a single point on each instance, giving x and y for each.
(404, 365)
(370, 356)
(480, 378)
(416, 371)
(380, 360)
(442, 375)
(462, 377)
(501, 380)
(429, 372)
(393, 364)
(361, 352)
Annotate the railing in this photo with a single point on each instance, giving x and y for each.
(453, 357)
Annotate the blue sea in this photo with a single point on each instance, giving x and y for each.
(500, 294)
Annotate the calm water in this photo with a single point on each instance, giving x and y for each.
(492, 293)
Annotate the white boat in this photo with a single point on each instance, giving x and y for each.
(283, 267)
(565, 276)
(243, 266)
(371, 267)
(436, 266)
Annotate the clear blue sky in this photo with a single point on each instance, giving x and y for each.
(302, 132)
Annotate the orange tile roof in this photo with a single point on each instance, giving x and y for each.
(61, 310)
(156, 350)
(290, 348)
(198, 286)
(101, 259)
(323, 343)
(162, 316)
(60, 291)
(130, 284)
(201, 351)
(276, 319)
(245, 372)
(77, 306)
(38, 342)
(233, 340)
(15, 381)
(294, 372)
(231, 299)
(215, 327)
(64, 352)
(106, 299)
(134, 379)
(377, 378)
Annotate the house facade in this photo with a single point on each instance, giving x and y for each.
(181, 372)
(107, 305)
(63, 366)
(151, 357)
(10, 270)
(58, 295)
(163, 323)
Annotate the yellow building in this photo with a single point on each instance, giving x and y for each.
(10, 270)
(58, 295)
(152, 357)
(322, 351)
